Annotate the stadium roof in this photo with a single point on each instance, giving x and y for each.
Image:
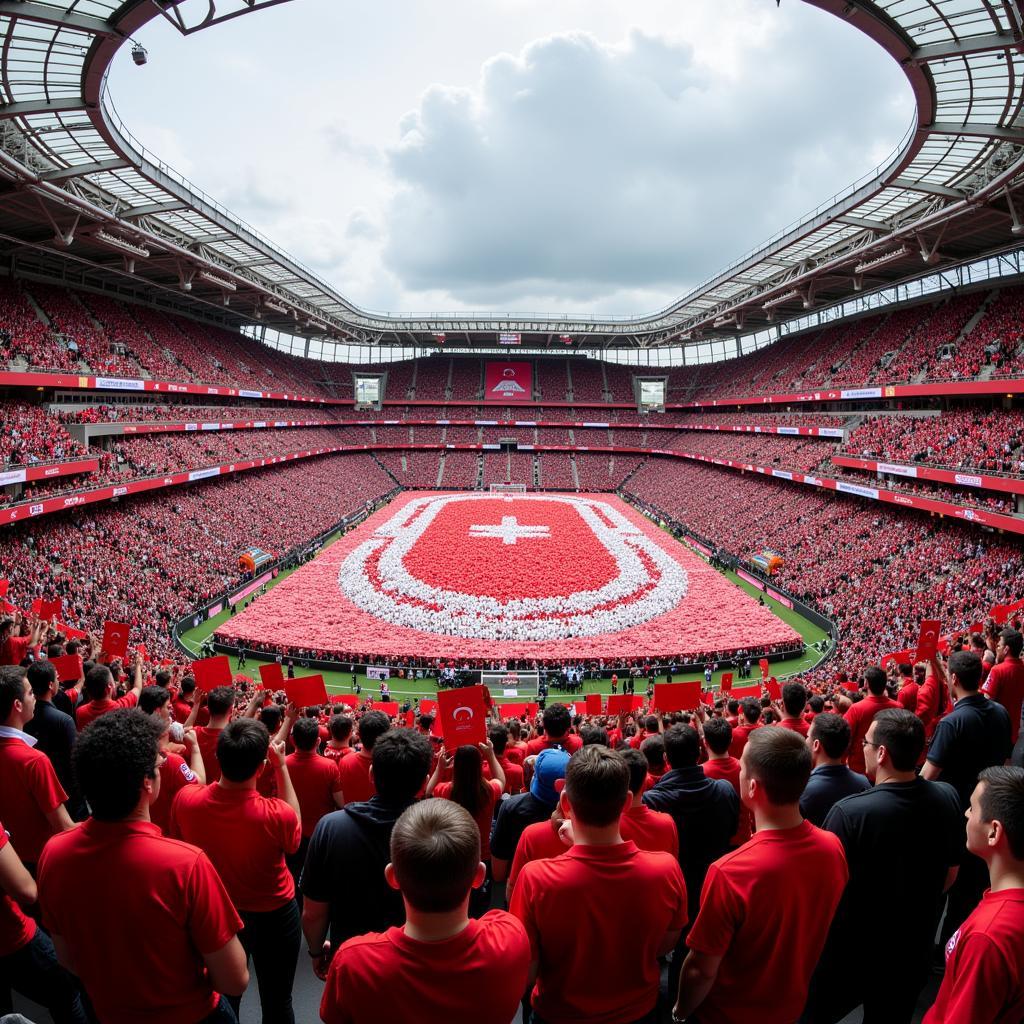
(83, 201)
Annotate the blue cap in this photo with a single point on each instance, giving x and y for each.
(547, 770)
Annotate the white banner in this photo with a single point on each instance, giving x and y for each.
(120, 384)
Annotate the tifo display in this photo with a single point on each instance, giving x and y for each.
(476, 575)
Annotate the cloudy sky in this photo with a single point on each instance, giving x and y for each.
(584, 156)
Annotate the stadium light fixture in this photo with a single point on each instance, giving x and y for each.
(778, 300)
(139, 54)
(275, 306)
(220, 282)
(881, 261)
(122, 244)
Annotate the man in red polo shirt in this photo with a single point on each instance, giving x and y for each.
(100, 690)
(761, 927)
(794, 700)
(1005, 682)
(32, 800)
(220, 702)
(356, 781)
(13, 645)
(861, 715)
(749, 721)
(557, 723)
(339, 746)
(145, 922)
(717, 736)
(248, 837)
(440, 965)
(603, 977)
(498, 735)
(984, 977)
(316, 781)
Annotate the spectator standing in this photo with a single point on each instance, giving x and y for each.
(831, 780)
(498, 735)
(794, 700)
(861, 714)
(114, 891)
(439, 966)
(557, 732)
(1005, 682)
(343, 886)
(616, 982)
(761, 928)
(220, 702)
(101, 689)
(248, 837)
(749, 720)
(902, 818)
(717, 734)
(356, 782)
(54, 731)
(984, 976)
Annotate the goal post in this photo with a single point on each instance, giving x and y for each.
(518, 683)
(508, 488)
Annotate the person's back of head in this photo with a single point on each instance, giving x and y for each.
(97, 682)
(188, 686)
(995, 821)
(272, 716)
(733, 707)
(651, 723)
(593, 734)
(557, 721)
(220, 701)
(906, 671)
(468, 785)
(41, 676)
(1012, 641)
(340, 728)
(718, 735)
(163, 677)
(875, 680)
(817, 703)
(242, 748)
(901, 732)
(596, 786)
(751, 708)
(12, 689)
(637, 765)
(425, 722)
(152, 699)
(794, 698)
(682, 746)
(833, 734)
(306, 734)
(401, 763)
(498, 735)
(653, 751)
(966, 667)
(779, 761)
(114, 762)
(515, 730)
(372, 726)
(435, 856)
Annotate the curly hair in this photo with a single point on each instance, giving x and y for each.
(111, 760)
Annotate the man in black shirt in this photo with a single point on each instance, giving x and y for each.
(54, 730)
(831, 779)
(902, 820)
(516, 813)
(343, 882)
(974, 736)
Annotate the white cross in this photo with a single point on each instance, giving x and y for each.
(510, 531)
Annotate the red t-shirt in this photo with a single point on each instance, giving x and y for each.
(569, 743)
(474, 977)
(1005, 683)
(16, 928)
(138, 912)
(984, 979)
(29, 791)
(356, 782)
(85, 714)
(175, 774)
(538, 842)
(484, 816)
(932, 703)
(513, 775)
(337, 753)
(246, 836)
(652, 831)
(728, 769)
(766, 910)
(860, 716)
(907, 697)
(207, 740)
(516, 752)
(795, 725)
(315, 780)
(603, 980)
(740, 734)
(13, 650)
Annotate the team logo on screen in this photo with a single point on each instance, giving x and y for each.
(529, 567)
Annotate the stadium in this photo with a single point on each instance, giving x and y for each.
(212, 458)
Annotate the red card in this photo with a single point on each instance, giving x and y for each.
(141, 648)
(708, 697)
(306, 692)
(69, 667)
(726, 682)
(622, 703)
(209, 673)
(928, 640)
(999, 612)
(742, 692)
(676, 696)
(851, 685)
(512, 710)
(350, 699)
(272, 676)
(774, 690)
(389, 707)
(4, 584)
(977, 627)
(428, 707)
(900, 657)
(593, 703)
(532, 710)
(8, 608)
(70, 632)
(115, 641)
(764, 667)
(463, 716)
(408, 719)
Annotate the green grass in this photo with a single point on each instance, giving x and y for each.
(340, 682)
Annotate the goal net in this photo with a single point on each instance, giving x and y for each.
(508, 488)
(510, 683)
